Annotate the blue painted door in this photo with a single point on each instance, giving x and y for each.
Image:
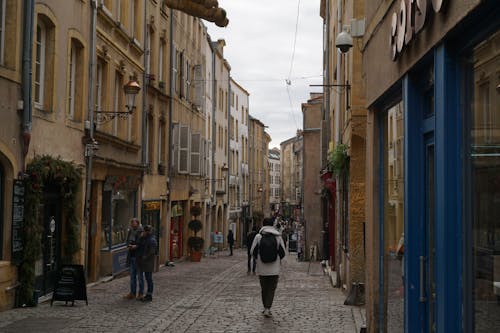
(427, 259)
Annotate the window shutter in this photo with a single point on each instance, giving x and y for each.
(199, 82)
(203, 157)
(195, 153)
(175, 146)
(184, 149)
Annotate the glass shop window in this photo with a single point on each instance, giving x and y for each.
(393, 220)
(484, 141)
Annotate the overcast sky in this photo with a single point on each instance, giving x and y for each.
(259, 48)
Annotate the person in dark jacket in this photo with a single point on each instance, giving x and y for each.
(146, 252)
(230, 241)
(251, 259)
(134, 232)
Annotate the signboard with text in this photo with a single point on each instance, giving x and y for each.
(17, 221)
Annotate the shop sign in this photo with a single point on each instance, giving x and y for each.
(151, 205)
(409, 21)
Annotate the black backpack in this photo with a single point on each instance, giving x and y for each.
(268, 248)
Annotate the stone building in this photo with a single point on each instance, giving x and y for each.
(259, 177)
(189, 139)
(345, 134)
(238, 160)
(291, 177)
(311, 182)
(220, 148)
(114, 137)
(274, 179)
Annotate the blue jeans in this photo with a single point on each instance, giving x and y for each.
(149, 280)
(135, 274)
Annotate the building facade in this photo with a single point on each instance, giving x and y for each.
(432, 194)
(274, 179)
(238, 163)
(259, 178)
(345, 111)
(291, 177)
(311, 182)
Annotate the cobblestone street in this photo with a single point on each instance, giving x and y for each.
(215, 295)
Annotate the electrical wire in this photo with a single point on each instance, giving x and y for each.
(294, 40)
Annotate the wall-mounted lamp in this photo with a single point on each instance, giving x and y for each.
(224, 167)
(131, 89)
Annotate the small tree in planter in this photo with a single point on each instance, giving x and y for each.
(195, 243)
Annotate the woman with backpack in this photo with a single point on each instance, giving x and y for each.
(268, 248)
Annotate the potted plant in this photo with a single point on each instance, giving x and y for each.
(195, 243)
(338, 160)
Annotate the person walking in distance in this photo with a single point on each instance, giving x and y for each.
(133, 235)
(251, 259)
(230, 241)
(269, 249)
(146, 252)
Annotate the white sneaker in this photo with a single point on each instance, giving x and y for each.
(267, 313)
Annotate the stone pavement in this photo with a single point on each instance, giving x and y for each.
(215, 295)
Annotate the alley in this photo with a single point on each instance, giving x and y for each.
(215, 295)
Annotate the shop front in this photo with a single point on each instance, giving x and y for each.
(434, 193)
(176, 230)
(119, 205)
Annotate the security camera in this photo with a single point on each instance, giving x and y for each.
(343, 41)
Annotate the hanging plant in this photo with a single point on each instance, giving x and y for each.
(66, 176)
(338, 160)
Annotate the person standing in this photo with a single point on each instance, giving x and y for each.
(251, 259)
(230, 241)
(146, 252)
(133, 235)
(269, 249)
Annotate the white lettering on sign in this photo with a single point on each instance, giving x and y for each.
(409, 20)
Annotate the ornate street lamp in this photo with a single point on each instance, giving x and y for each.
(131, 89)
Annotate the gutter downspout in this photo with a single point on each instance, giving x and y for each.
(213, 200)
(228, 142)
(27, 76)
(145, 91)
(89, 151)
(170, 134)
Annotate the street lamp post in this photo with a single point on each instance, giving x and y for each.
(131, 89)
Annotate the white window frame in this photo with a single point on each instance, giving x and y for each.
(40, 48)
(72, 75)
(2, 31)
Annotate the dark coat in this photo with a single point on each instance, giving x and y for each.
(230, 237)
(146, 251)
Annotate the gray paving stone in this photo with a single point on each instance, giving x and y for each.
(215, 295)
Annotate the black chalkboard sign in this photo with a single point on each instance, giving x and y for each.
(70, 285)
(17, 221)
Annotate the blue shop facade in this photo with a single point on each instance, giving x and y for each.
(433, 211)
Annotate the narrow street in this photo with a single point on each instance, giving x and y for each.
(215, 295)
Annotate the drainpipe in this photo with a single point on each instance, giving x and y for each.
(170, 134)
(29, 18)
(145, 91)
(228, 141)
(339, 74)
(89, 151)
(214, 133)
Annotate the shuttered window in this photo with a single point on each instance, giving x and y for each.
(175, 147)
(195, 153)
(184, 149)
